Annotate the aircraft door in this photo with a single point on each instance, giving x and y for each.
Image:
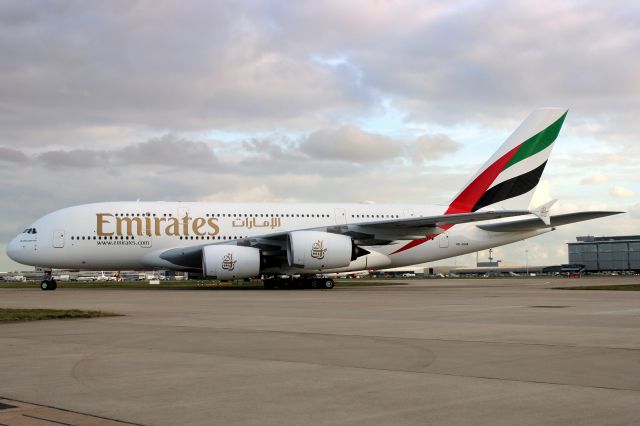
(58, 238)
(444, 240)
(341, 217)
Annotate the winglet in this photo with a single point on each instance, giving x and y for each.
(542, 212)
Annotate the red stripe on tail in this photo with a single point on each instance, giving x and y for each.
(468, 198)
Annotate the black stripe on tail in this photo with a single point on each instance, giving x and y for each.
(511, 188)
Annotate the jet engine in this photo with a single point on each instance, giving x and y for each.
(321, 250)
(230, 262)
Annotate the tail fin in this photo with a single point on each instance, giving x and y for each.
(510, 176)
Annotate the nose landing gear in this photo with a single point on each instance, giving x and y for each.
(48, 283)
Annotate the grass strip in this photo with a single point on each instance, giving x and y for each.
(11, 315)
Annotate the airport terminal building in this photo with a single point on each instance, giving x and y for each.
(620, 253)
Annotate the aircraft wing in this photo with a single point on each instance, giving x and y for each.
(388, 230)
(445, 219)
(384, 231)
(555, 220)
(380, 232)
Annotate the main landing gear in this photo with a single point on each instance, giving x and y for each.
(302, 281)
(48, 283)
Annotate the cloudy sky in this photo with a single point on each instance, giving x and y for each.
(382, 101)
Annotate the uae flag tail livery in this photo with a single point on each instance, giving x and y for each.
(508, 179)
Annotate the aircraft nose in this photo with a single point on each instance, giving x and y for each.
(13, 250)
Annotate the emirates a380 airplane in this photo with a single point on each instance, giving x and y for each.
(233, 241)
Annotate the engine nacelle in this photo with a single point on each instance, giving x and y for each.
(320, 250)
(230, 262)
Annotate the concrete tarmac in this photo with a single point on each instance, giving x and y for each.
(485, 351)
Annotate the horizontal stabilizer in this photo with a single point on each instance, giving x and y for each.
(533, 224)
(542, 212)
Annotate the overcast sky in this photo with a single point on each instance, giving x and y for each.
(313, 101)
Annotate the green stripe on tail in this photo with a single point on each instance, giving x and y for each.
(538, 142)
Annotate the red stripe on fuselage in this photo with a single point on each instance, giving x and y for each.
(468, 198)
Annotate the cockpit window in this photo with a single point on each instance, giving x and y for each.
(30, 231)
(34, 231)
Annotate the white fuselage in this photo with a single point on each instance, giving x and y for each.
(132, 235)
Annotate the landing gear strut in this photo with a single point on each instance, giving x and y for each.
(48, 283)
(303, 281)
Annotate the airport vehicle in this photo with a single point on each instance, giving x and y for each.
(234, 241)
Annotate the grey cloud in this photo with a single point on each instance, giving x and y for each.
(491, 62)
(434, 147)
(10, 155)
(350, 143)
(215, 65)
(322, 152)
(274, 148)
(168, 150)
(250, 65)
(79, 158)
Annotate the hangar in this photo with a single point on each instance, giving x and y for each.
(613, 253)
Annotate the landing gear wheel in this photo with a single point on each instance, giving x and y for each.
(328, 284)
(48, 285)
(314, 284)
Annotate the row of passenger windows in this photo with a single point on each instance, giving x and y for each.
(267, 215)
(375, 216)
(360, 216)
(227, 215)
(192, 237)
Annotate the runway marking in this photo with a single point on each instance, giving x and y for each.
(622, 311)
(47, 420)
(435, 373)
(239, 356)
(111, 419)
(436, 339)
